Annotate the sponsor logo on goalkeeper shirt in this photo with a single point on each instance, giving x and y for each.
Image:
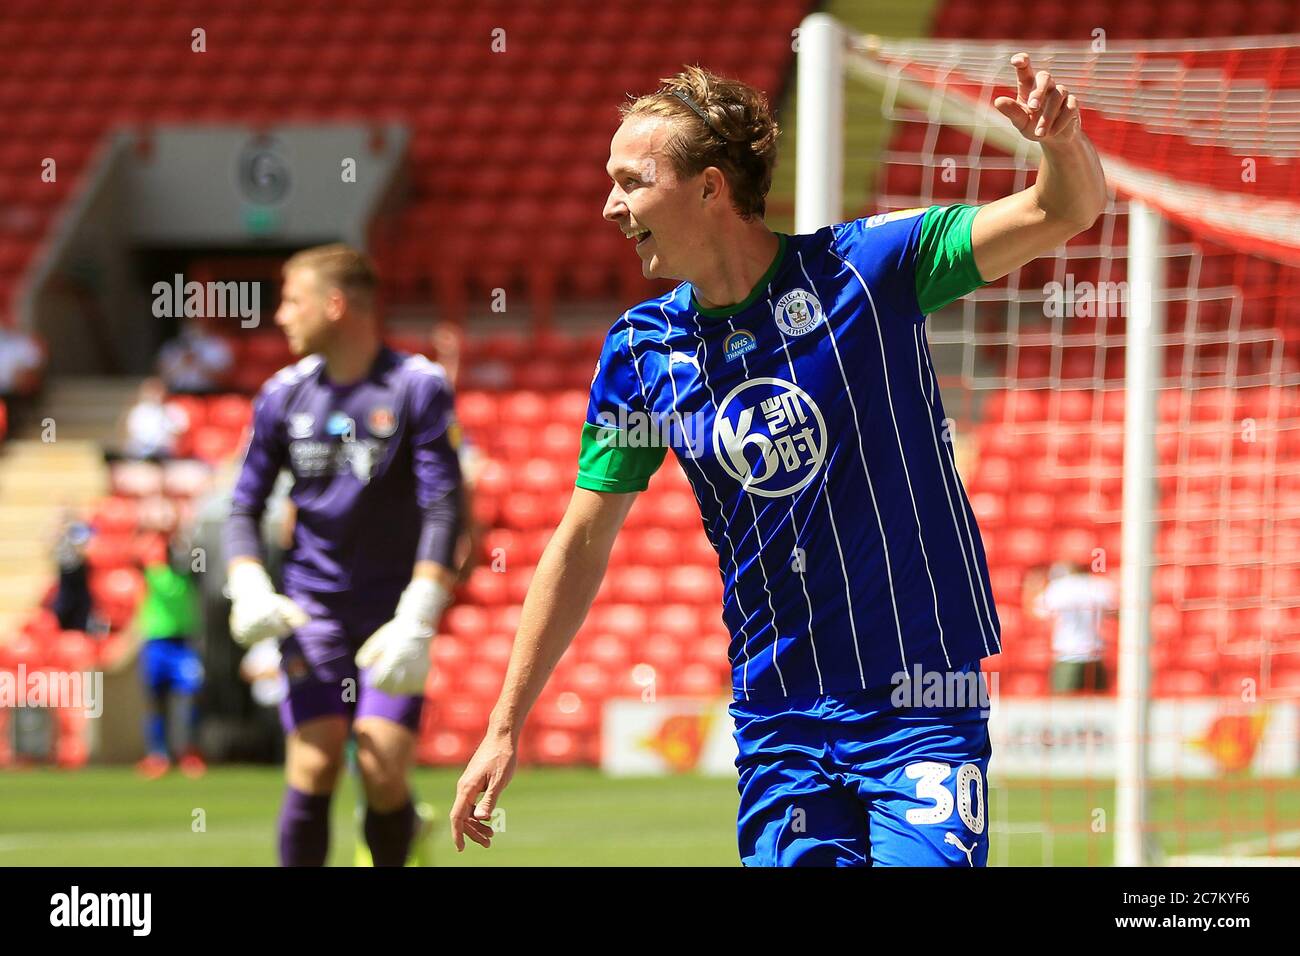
(301, 425)
(770, 436)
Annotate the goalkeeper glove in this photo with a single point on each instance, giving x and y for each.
(256, 611)
(397, 655)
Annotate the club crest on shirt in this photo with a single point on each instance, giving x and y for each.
(381, 422)
(738, 343)
(340, 424)
(770, 436)
(301, 425)
(798, 312)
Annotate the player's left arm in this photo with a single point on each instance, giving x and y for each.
(1067, 197)
(397, 654)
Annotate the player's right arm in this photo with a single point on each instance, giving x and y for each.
(612, 470)
(257, 612)
(566, 581)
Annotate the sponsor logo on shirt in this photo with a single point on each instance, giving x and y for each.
(339, 424)
(881, 218)
(682, 358)
(301, 425)
(798, 312)
(738, 343)
(770, 435)
(362, 458)
(315, 459)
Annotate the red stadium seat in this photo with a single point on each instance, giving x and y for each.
(566, 710)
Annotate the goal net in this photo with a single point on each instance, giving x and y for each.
(1129, 405)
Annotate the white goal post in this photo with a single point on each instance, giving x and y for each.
(828, 54)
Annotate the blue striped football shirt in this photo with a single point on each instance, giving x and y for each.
(809, 424)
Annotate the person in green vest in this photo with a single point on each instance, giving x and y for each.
(169, 665)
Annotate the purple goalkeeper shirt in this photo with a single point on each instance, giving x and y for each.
(376, 474)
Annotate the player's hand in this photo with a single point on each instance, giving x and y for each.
(1042, 111)
(488, 772)
(397, 655)
(256, 611)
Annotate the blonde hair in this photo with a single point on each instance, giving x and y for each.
(716, 122)
(339, 266)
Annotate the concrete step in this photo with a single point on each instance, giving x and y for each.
(54, 487)
(61, 449)
(19, 524)
(83, 386)
(21, 592)
(84, 407)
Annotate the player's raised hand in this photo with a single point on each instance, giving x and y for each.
(1042, 110)
(488, 772)
(256, 611)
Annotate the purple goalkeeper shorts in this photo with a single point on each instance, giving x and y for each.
(319, 667)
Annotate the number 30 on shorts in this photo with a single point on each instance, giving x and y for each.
(930, 777)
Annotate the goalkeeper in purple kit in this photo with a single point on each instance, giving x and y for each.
(370, 438)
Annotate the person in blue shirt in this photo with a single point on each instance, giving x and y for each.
(791, 376)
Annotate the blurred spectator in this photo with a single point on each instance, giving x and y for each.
(196, 362)
(447, 339)
(72, 603)
(21, 360)
(168, 664)
(152, 426)
(1075, 601)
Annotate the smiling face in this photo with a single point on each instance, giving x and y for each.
(648, 202)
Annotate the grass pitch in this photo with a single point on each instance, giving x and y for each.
(564, 817)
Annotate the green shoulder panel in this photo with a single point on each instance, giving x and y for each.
(606, 463)
(945, 259)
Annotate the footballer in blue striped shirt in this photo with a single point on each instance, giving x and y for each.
(825, 481)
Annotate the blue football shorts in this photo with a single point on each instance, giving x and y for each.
(854, 780)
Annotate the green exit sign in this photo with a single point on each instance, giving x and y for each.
(261, 220)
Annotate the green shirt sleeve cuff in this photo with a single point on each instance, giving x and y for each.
(945, 259)
(607, 463)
